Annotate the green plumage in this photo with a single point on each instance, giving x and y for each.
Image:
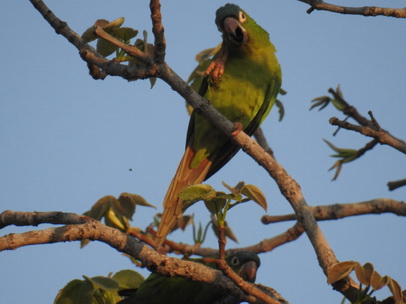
(158, 289)
(242, 82)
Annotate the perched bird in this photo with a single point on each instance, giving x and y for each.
(157, 289)
(242, 82)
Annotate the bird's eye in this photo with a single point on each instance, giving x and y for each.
(242, 17)
(235, 261)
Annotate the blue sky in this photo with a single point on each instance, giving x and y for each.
(67, 140)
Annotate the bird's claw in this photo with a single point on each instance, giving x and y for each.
(216, 67)
(237, 127)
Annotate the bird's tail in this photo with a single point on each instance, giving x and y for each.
(172, 204)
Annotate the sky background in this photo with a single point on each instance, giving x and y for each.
(67, 140)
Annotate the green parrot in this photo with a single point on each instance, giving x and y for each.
(242, 82)
(157, 289)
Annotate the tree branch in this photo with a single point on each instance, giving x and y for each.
(79, 227)
(396, 184)
(363, 11)
(380, 135)
(338, 211)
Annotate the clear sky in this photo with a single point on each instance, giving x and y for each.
(67, 140)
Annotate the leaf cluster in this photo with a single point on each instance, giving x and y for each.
(218, 203)
(116, 212)
(123, 34)
(99, 289)
(368, 277)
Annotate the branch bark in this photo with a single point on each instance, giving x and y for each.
(338, 211)
(363, 11)
(79, 227)
(380, 135)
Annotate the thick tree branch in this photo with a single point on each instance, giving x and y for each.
(338, 211)
(81, 227)
(363, 11)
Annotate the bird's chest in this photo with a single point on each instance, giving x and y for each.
(241, 90)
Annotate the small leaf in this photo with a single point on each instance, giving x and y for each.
(377, 281)
(84, 242)
(184, 221)
(116, 221)
(103, 283)
(396, 291)
(364, 273)
(197, 192)
(99, 209)
(152, 81)
(76, 291)
(105, 48)
(321, 102)
(115, 23)
(124, 34)
(128, 279)
(215, 205)
(255, 194)
(340, 271)
(89, 34)
(281, 109)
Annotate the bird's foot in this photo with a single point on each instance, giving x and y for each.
(216, 67)
(237, 127)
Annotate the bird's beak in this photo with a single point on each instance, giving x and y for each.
(235, 31)
(248, 271)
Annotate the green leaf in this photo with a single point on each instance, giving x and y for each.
(128, 279)
(215, 205)
(115, 220)
(255, 194)
(105, 48)
(124, 34)
(76, 291)
(125, 205)
(89, 34)
(364, 273)
(340, 271)
(100, 208)
(103, 283)
(197, 193)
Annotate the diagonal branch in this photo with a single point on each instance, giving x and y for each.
(363, 11)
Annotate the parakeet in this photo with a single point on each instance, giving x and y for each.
(242, 82)
(157, 289)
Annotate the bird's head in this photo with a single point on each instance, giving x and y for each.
(229, 20)
(245, 264)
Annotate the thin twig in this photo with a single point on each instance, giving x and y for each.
(247, 287)
(381, 135)
(396, 184)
